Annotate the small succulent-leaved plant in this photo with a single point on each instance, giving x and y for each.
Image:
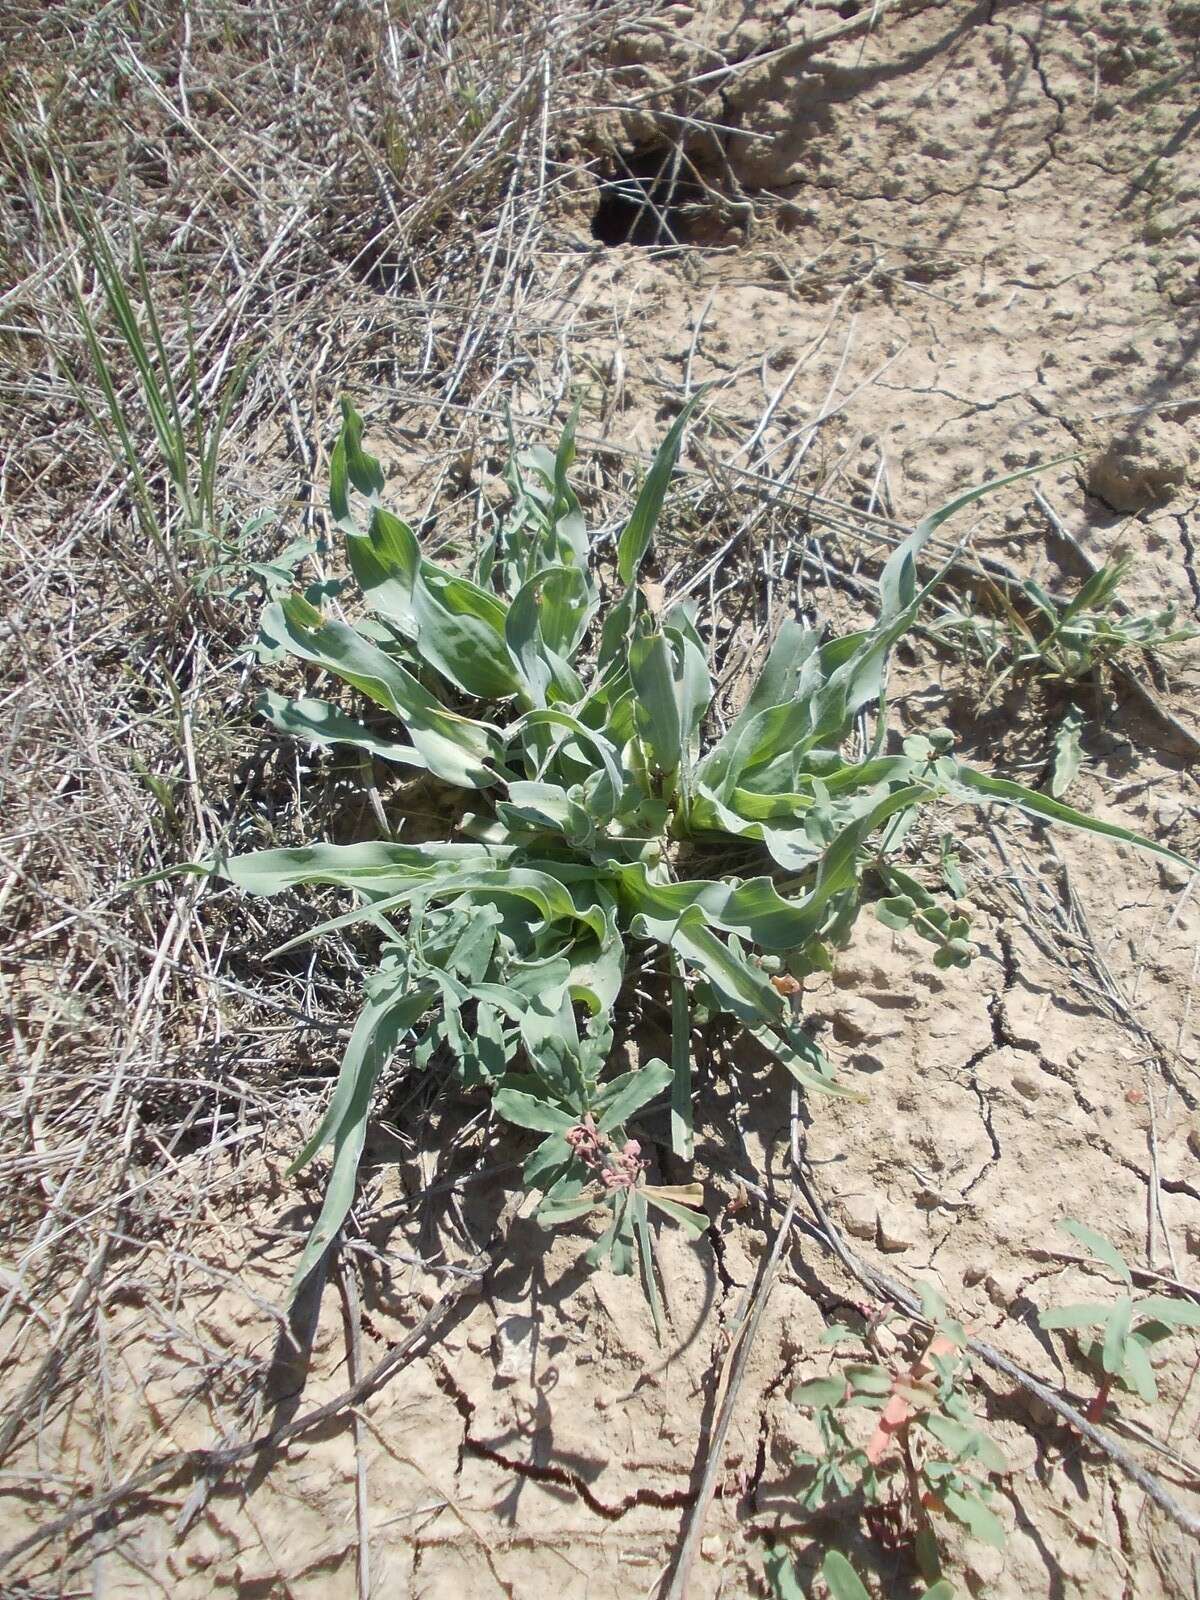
(1130, 1327)
(946, 1473)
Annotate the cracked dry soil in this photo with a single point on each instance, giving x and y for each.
(976, 245)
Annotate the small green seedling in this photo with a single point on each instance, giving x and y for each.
(1068, 752)
(1067, 643)
(1130, 1327)
(926, 1446)
(265, 580)
(575, 728)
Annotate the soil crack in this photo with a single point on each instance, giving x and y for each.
(563, 1477)
(1001, 1037)
(764, 1426)
(1189, 556)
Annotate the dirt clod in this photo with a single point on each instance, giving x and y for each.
(1145, 465)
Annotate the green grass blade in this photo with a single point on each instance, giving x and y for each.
(379, 1028)
(682, 1130)
(976, 786)
(638, 531)
(804, 1061)
(641, 1226)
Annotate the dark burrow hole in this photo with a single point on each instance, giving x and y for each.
(647, 199)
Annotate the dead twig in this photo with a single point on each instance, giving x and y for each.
(51, 1365)
(734, 1370)
(352, 1320)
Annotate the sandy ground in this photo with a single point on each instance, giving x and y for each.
(976, 245)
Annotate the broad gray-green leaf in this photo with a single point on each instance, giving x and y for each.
(652, 671)
(552, 1044)
(547, 619)
(317, 722)
(866, 1378)
(1175, 1313)
(597, 966)
(782, 1573)
(782, 673)
(375, 866)
(541, 892)
(819, 1393)
(527, 1112)
(1103, 1249)
(454, 747)
(963, 1440)
(562, 729)
(620, 1098)
(545, 807)
(456, 627)
(1116, 1335)
(385, 563)
(1068, 752)
(554, 1212)
(1138, 1370)
(842, 1580)
(897, 911)
(552, 1154)
(753, 908)
(742, 988)
(972, 1513)
(1080, 1316)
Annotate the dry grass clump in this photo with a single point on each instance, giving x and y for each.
(323, 197)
